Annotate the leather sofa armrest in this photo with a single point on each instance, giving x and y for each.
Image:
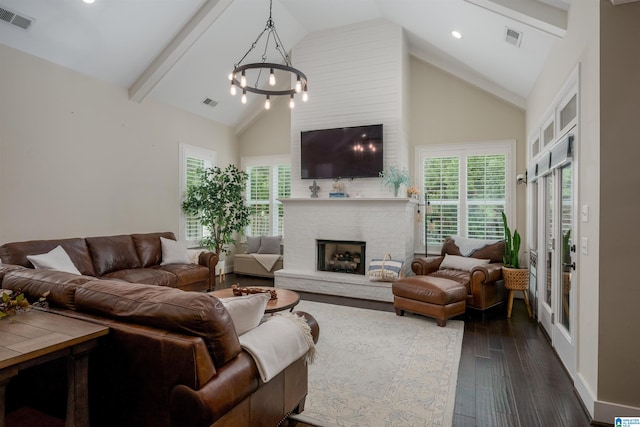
(426, 265)
(483, 284)
(210, 260)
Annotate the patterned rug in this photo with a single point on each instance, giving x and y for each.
(374, 368)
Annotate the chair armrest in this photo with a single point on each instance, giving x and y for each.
(426, 265)
(487, 273)
(484, 285)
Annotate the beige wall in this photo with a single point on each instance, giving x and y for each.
(619, 287)
(444, 109)
(77, 158)
(270, 134)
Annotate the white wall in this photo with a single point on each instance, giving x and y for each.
(77, 158)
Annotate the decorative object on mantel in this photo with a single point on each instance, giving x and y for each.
(266, 71)
(314, 189)
(385, 269)
(337, 189)
(14, 301)
(394, 177)
(413, 192)
(238, 291)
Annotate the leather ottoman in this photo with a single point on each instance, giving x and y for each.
(430, 296)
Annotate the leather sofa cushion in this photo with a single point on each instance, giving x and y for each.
(493, 252)
(149, 248)
(185, 274)
(16, 252)
(111, 253)
(147, 276)
(192, 313)
(34, 283)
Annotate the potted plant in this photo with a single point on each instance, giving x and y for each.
(218, 202)
(395, 177)
(515, 278)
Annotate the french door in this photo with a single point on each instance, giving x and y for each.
(557, 261)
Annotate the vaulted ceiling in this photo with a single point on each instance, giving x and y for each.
(181, 52)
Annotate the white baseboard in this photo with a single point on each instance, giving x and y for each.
(600, 411)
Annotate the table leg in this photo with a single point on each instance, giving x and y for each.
(5, 377)
(78, 386)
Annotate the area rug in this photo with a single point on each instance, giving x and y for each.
(373, 368)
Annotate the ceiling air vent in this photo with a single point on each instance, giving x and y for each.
(15, 19)
(210, 102)
(512, 36)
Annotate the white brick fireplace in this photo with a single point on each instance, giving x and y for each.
(384, 224)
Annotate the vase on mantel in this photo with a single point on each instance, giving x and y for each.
(396, 189)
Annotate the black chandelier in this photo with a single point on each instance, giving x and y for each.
(257, 71)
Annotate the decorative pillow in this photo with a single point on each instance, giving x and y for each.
(269, 245)
(194, 255)
(173, 252)
(246, 311)
(456, 262)
(56, 259)
(253, 244)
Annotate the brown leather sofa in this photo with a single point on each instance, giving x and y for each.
(171, 358)
(485, 288)
(133, 258)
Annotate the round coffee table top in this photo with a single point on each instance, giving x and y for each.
(286, 299)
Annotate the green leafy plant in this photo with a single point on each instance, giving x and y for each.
(218, 201)
(511, 245)
(395, 177)
(13, 301)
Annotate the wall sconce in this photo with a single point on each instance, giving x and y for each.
(521, 179)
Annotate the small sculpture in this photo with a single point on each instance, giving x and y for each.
(314, 189)
(238, 291)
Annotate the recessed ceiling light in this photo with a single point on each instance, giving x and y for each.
(456, 34)
(88, 1)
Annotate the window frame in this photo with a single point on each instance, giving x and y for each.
(210, 158)
(271, 161)
(506, 147)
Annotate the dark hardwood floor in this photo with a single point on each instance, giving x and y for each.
(509, 375)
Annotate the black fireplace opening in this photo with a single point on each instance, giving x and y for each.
(341, 256)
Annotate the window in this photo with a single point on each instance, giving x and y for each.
(269, 180)
(467, 187)
(191, 159)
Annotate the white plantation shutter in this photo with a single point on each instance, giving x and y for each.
(192, 159)
(467, 189)
(486, 196)
(442, 185)
(269, 180)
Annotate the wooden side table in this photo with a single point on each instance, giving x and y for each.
(34, 337)
(286, 299)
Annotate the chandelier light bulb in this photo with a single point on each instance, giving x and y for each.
(243, 99)
(230, 76)
(243, 80)
(233, 89)
(267, 103)
(291, 103)
(305, 95)
(298, 85)
(272, 78)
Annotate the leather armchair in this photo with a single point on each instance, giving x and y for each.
(485, 288)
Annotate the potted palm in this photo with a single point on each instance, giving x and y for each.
(515, 278)
(218, 201)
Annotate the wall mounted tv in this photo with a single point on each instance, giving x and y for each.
(348, 152)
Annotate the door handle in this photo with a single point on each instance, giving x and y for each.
(572, 265)
(572, 248)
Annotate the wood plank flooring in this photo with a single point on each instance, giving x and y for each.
(509, 375)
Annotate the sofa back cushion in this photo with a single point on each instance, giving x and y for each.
(148, 247)
(16, 253)
(192, 313)
(493, 252)
(34, 283)
(112, 253)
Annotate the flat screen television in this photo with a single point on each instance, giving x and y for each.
(348, 152)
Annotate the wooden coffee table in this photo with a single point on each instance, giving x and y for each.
(286, 299)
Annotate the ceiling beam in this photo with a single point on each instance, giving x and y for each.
(188, 35)
(617, 2)
(541, 16)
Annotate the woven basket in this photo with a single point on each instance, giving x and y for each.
(516, 278)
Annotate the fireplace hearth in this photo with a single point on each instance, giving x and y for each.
(341, 256)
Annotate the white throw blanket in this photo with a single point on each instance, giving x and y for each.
(277, 343)
(267, 260)
(468, 246)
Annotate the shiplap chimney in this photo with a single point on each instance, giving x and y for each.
(358, 75)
